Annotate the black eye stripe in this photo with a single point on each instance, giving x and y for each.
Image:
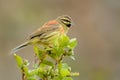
(66, 20)
(68, 24)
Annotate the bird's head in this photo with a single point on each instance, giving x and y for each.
(65, 20)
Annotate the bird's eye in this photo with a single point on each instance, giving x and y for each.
(66, 20)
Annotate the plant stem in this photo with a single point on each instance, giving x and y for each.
(23, 74)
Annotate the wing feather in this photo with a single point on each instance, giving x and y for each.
(44, 30)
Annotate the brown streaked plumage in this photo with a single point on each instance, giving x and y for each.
(48, 32)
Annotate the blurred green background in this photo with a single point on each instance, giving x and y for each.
(96, 27)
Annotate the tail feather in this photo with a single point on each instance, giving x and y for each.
(19, 47)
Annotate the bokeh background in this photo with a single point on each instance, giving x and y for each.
(96, 27)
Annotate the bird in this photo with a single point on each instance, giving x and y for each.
(48, 33)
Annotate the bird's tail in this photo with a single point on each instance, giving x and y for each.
(20, 47)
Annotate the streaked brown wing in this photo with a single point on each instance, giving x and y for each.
(45, 30)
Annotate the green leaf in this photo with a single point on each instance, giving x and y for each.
(48, 63)
(60, 66)
(75, 74)
(19, 60)
(25, 68)
(56, 78)
(67, 78)
(64, 71)
(32, 72)
(65, 66)
(56, 52)
(63, 41)
(72, 43)
(37, 51)
(22, 64)
(31, 78)
(45, 69)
